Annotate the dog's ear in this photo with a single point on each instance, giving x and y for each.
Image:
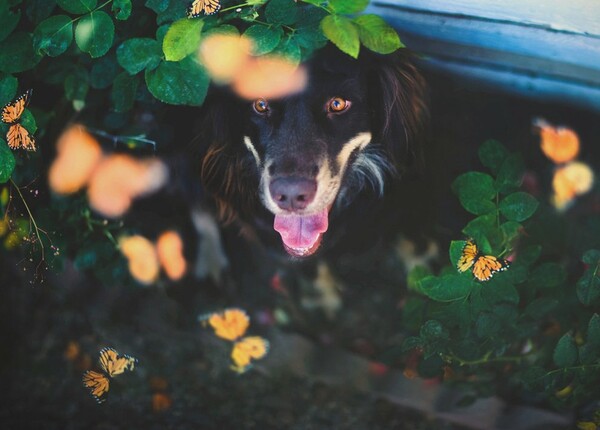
(227, 171)
(397, 95)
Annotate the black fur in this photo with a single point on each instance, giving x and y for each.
(388, 100)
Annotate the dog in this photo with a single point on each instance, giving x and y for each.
(318, 172)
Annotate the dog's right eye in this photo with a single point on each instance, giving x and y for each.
(261, 106)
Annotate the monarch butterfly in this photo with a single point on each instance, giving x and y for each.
(231, 324)
(483, 266)
(17, 135)
(206, 7)
(112, 363)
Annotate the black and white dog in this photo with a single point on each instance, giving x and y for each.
(319, 170)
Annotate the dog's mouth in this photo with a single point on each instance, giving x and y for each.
(302, 234)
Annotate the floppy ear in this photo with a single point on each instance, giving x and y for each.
(399, 108)
(227, 170)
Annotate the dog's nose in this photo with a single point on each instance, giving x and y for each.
(293, 193)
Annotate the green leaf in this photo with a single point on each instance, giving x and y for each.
(348, 6)
(263, 39)
(433, 330)
(487, 325)
(8, 88)
(94, 33)
(481, 227)
(510, 230)
(121, 9)
(377, 35)
(591, 257)
(593, 333)
(446, 288)
(134, 55)
(281, 12)
(411, 343)
(510, 174)
(123, 92)
(157, 6)
(548, 275)
(104, 71)
(53, 36)
(7, 161)
(518, 206)
(182, 83)
(182, 38)
(565, 353)
(492, 154)
(498, 290)
(289, 50)
(475, 191)
(17, 54)
(225, 29)
(28, 121)
(343, 33)
(415, 276)
(310, 38)
(8, 19)
(456, 249)
(539, 308)
(77, 7)
(588, 287)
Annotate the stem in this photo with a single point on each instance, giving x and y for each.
(564, 369)
(485, 359)
(235, 7)
(31, 218)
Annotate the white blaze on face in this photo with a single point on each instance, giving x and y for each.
(328, 184)
(357, 142)
(252, 149)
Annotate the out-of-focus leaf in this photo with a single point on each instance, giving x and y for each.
(7, 162)
(94, 33)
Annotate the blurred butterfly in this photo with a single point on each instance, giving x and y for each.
(231, 324)
(483, 266)
(17, 135)
(206, 7)
(559, 144)
(112, 363)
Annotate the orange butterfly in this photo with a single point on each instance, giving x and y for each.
(112, 363)
(483, 266)
(206, 7)
(231, 324)
(559, 144)
(17, 135)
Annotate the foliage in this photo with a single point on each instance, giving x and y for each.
(108, 61)
(530, 327)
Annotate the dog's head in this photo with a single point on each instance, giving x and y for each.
(308, 154)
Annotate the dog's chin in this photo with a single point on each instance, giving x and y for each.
(302, 234)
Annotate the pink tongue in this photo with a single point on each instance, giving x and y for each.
(301, 231)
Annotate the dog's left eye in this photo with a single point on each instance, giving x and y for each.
(337, 105)
(261, 106)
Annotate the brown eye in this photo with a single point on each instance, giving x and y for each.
(337, 105)
(261, 106)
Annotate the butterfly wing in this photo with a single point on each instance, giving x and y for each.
(468, 256)
(486, 265)
(211, 6)
(97, 383)
(230, 324)
(206, 7)
(114, 363)
(248, 349)
(12, 112)
(18, 137)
